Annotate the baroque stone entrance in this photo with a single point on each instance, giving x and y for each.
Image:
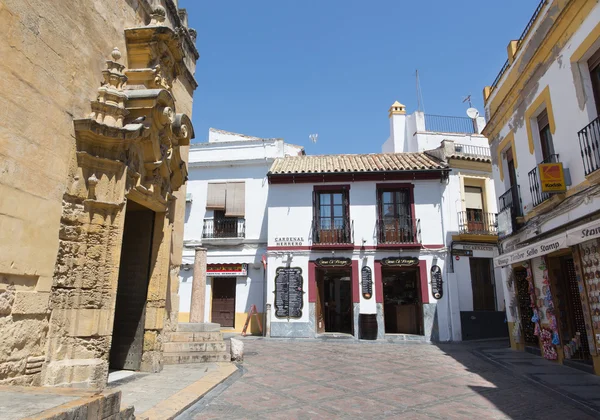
(128, 161)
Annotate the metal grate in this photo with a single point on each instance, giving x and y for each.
(535, 186)
(525, 311)
(575, 297)
(589, 144)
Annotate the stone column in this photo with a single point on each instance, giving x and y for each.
(198, 286)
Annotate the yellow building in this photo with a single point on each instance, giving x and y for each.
(95, 102)
(544, 132)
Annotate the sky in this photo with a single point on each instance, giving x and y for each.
(290, 68)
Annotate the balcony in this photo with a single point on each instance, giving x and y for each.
(229, 228)
(509, 208)
(332, 233)
(443, 124)
(398, 231)
(467, 150)
(589, 144)
(476, 222)
(535, 185)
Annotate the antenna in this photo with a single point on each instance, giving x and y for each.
(468, 99)
(313, 137)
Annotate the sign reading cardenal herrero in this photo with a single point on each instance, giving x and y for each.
(289, 293)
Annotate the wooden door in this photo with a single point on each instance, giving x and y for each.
(320, 309)
(223, 301)
(482, 282)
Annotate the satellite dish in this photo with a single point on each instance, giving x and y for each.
(472, 113)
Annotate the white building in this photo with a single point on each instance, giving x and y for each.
(226, 214)
(544, 132)
(362, 240)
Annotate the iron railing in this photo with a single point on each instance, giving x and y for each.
(228, 228)
(467, 149)
(332, 232)
(443, 124)
(589, 144)
(524, 34)
(399, 230)
(511, 199)
(476, 222)
(535, 185)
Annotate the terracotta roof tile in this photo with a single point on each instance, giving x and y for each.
(382, 162)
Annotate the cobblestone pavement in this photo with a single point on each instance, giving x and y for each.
(292, 379)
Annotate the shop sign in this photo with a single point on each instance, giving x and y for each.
(462, 252)
(333, 262)
(400, 261)
(367, 282)
(289, 293)
(226, 270)
(437, 290)
(289, 241)
(583, 233)
(532, 251)
(552, 177)
(487, 248)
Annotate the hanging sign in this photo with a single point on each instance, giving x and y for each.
(583, 233)
(552, 177)
(367, 282)
(289, 295)
(400, 262)
(437, 290)
(226, 270)
(333, 262)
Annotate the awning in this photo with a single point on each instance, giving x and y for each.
(537, 249)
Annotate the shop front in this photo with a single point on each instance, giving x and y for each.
(554, 285)
(226, 284)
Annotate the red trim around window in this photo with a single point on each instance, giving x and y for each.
(355, 247)
(354, 177)
(355, 282)
(317, 247)
(312, 281)
(332, 188)
(424, 282)
(378, 283)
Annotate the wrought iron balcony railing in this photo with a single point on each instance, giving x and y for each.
(511, 199)
(535, 185)
(332, 232)
(399, 230)
(476, 222)
(443, 124)
(589, 144)
(227, 228)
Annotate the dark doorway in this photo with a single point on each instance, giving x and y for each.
(334, 301)
(132, 288)
(223, 301)
(482, 283)
(402, 302)
(525, 310)
(570, 318)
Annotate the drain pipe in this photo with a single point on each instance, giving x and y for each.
(450, 330)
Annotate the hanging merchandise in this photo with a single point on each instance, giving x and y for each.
(587, 262)
(533, 300)
(516, 332)
(549, 303)
(548, 348)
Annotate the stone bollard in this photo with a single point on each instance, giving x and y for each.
(237, 350)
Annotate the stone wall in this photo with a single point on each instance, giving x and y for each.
(58, 254)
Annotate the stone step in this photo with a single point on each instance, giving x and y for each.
(179, 346)
(198, 327)
(197, 337)
(196, 357)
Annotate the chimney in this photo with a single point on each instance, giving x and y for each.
(398, 138)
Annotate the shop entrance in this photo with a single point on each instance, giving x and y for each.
(223, 301)
(402, 302)
(132, 288)
(334, 301)
(570, 311)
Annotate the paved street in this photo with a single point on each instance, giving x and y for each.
(287, 379)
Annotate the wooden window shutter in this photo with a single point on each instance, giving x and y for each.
(473, 198)
(235, 203)
(594, 60)
(542, 119)
(215, 199)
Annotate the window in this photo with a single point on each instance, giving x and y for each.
(545, 136)
(396, 223)
(474, 207)
(594, 66)
(228, 202)
(332, 225)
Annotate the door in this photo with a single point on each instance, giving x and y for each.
(223, 301)
(320, 304)
(132, 288)
(525, 310)
(482, 283)
(402, 302)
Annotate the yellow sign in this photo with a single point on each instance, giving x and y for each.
(552, 177)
